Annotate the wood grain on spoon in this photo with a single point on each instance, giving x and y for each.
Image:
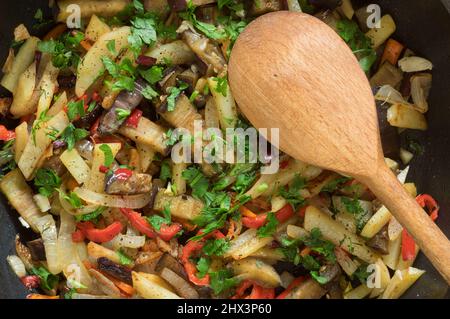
(291, 71)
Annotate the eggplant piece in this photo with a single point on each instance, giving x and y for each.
(109, 123)
(330, 271)
(89, 119)
(390, 139)
(85, 149)
(115, 270)
(334, 290)
(160, 7)
(37, 249)
(167, 261)
(190, 77)
(180, 284)
(54, 162)
(170, 77)
(66, 81)
(5, 103)
(208, 51)
(327, 4)
(380, 241)
(207, 14)
(156, 186)
(260, 7)
(135, 184)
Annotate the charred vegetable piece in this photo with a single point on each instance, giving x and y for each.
(330, 272)
(115, 270)
(66, 81)
(88, 119)
(119, 183)
(37, 249)
(387, 74)
(168, 261)
(380, 241)
(126, 101)
(170, 77)
(390, 139)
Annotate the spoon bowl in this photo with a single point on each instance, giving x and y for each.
(291, 71)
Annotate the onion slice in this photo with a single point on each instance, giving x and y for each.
(119, 201)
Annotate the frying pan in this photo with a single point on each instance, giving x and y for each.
(424, 26)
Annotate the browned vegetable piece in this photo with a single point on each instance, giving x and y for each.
(135, 184)
(387, 74)
(309, 289)
(380, 241)
(88, 119)
(190, 77)
(5, 103)
(54, 162)
(207, 14)
(170, 77)
(66, 81)
(420, 89)
(23, 252)
(328, 4)
(390, 139)
(207, 50)
(182, 287)
(260, 7)
(128, 101)
(104, 284)
(167, 261)
(161, 7)
(115, 270)
(330, 272)
(329, 17)
(334, 290)
(37, 249)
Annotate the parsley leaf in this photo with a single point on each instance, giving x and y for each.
(203, 267)
(109, 157)
(149, 93)
(75, 109)
(334, 184)
(48, 281)
(142, 32)
(64, 50)
(270, 227)
(153, 74)
(216, 247)
(210, 30)
(292, 194)
(38, 123)
(222, 85)
(72, 198)
(124, 258)
(47, 180)
(90, 216)
(111, 45)
(166, 172)
(7, 161)
(71, 135)
(174, 92)
(122, 114)
(222, 280)
(156, 221)
(196, 180)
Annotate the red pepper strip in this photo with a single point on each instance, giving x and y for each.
(78, 236)
(96, 97)
(123, 173)
(31, 281)
(295, 283)
(191, 270)
(103, 169)
(133, 119)
(258, 292)
(284, 164)
(167, 232)
(430, 203)
(138, 222)
(281, 215)
(188, 250)
(284, 213)
(5, 134)
(100, 235)
(254, 222)
(408, 244)
(94, 127)
(302, 211)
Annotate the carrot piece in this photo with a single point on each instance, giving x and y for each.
(56, 31)
(39, 296)
(125, 288)
(88, 264)
(86, 45)
(247, 212)
(305, 251)
(392, 51)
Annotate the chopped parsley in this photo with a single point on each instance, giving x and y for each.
(153, 74)
(124, 258)
(111, 45)
(71, 135)
(90, 216)
(270, 227)
(222, 281)
(208, 29)
(222, 85)
(107, 152)
(75, 109)
(292, 193)
(197, 181)
(203, 267)
(334, 184)
(216, 247)
(47, 180)
(64, 50)
(157, 221)
(165, 172)
(174, 92)
(122, 114)
(72, 198)
(48, 281)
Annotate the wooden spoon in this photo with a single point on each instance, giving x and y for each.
(291, 71)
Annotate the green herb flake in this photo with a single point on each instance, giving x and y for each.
(107, 152)
(270, 227)
(47, 181)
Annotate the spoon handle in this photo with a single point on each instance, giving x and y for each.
(404, 207)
